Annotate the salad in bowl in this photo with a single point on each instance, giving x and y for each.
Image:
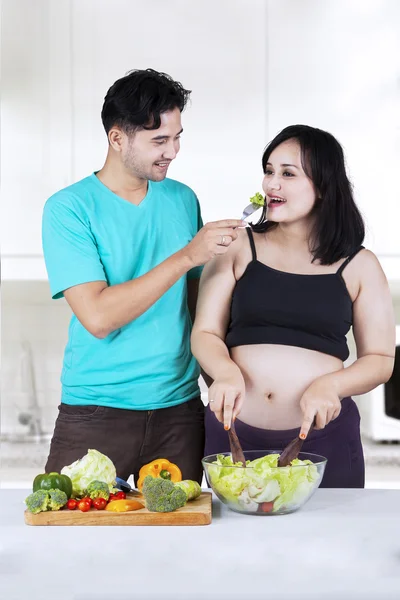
(263, 488)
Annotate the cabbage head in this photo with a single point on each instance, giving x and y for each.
(93, 466)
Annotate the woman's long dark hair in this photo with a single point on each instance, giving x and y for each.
(339, 227)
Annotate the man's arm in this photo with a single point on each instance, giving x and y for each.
(193, 292)
(102, 309)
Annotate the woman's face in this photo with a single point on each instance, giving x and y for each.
(290, 193)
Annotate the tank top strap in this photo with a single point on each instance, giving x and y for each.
(252, 244)
(348, 259)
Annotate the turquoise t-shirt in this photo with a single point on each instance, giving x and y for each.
(91, 234)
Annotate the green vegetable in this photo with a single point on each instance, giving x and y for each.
(94, 466)
(257, 199)
(53, 481)
(162, 495)
(44, 500)
(263, 482)
(98, 489)
(57, 499)
(191, 488)
(37, 501)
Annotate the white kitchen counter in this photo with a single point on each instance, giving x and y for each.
(342, 544)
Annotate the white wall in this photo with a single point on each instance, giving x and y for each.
(254, 67)
(336, 65)
(216, 49)
(35, 117)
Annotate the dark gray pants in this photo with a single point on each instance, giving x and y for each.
(131, 438)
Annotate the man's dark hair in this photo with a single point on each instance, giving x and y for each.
(137, 100)
(339, 227)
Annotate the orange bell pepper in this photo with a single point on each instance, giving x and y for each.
(159, 468)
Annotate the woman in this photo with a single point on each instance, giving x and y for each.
(273, 313)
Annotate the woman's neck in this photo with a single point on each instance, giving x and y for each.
(293, 235)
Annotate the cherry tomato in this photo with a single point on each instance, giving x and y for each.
(267, 506)
(87, 499)
(84, 506)
(120, 496)
(100, 503)
(72, 504)
(112, 497)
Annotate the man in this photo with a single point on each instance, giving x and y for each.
(125, 247)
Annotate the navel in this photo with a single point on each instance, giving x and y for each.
(268, 396)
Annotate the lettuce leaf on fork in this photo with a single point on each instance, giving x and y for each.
(257, 199)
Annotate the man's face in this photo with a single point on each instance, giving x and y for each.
(148, 153)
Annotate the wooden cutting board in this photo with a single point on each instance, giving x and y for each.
(195, 512)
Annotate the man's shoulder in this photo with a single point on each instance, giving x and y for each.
(71, 196)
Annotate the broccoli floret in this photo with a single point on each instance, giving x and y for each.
(37, 502)
(57, 499)
(98, 489)
(162, 495)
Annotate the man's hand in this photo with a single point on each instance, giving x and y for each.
(214, 238)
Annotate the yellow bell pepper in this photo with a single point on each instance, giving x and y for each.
(159, 468)
(123, 505)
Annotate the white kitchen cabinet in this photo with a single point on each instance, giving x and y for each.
(36, 125)
(336, 65)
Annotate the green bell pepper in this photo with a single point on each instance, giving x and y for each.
(55, 481)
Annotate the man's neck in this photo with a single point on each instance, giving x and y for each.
(115, 178)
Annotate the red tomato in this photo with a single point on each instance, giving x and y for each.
(87, 499)
(84, 506)
(72, 504)
(267, 506)
(120, 496)
(100, 503)
(112, 497)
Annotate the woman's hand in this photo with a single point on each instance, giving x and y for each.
(226, 396)
(319, 401)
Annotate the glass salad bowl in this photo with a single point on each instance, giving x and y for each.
(263, 488)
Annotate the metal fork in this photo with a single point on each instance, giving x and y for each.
(249, 210)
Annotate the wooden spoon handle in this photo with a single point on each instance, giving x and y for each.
(292, 450)
(236, 448)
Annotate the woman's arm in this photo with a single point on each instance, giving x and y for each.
(374, 334)
(193, 294)
(217, 282)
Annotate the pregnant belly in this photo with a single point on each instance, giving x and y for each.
(276, 377)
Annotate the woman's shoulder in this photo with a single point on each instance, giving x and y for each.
(367, 259)
(244, 239)
(365, 266)
(240, 251)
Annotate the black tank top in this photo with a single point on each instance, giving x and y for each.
(275, 307)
